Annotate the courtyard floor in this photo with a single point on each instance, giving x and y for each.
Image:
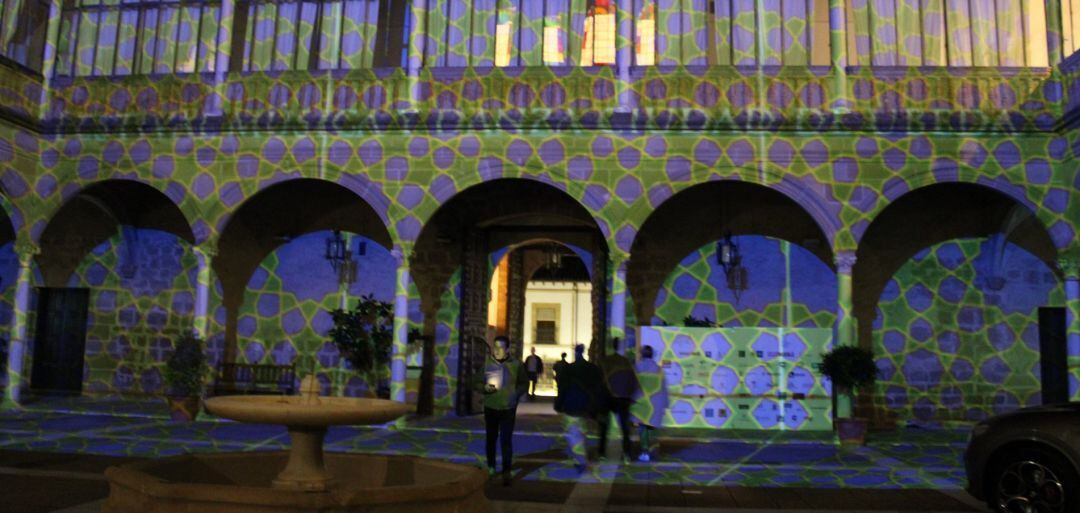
(904, 470)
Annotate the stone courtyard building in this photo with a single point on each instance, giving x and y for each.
(898, 175)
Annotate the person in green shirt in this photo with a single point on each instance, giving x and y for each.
(504, 382)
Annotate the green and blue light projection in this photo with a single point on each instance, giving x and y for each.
(744, 378)
(788, 286)
(141, 286)
(843, 143)
(957, 334)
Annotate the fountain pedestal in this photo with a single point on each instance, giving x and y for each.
(311, 482)
(305, 469)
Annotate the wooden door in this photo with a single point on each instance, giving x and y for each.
(60, 340)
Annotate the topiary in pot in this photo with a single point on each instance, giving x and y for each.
(184, 373)
(850, 369)
(364, 337)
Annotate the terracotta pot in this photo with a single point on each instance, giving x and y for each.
(852, 431)
(183, 408)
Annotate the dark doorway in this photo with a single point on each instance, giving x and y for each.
(1052, 355)
(60, 340)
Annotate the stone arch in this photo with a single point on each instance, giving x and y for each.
(899, 187)
(927, 276)
(173, 191)
(465, 219)
(116, 202)
(128, 243)
(444, 190)
(282, 210)
(742, 207)
(797, 190)
(369, 192)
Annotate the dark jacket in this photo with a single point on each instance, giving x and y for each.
(539, 363)
(581, 390)
(619, 376)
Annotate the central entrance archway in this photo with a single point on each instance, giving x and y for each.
(453, 266)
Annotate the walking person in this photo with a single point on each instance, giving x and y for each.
(622, 386)
(651, 401)
(581, 398)
(504, 382)
(534, 366)
(559, 365)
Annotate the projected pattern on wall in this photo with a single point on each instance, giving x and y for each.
(958, 335)
(744, 378)
(780, 275)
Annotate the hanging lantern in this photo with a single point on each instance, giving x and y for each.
(730, 260)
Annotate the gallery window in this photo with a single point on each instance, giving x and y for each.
(22, 31)
(113, 37)
(485, 33)
(545, 324)
(727, 32)
(328, 34)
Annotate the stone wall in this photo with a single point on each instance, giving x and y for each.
(957, 334)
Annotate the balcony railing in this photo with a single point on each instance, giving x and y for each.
(706, 98)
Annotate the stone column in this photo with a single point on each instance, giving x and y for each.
(845, 321)
(838, 52)
(401, 327)
(1070, 268)
(617, 321)
(25, 250)
(204, 255)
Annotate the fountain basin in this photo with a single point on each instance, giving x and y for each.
(305, 412)
(242, 483)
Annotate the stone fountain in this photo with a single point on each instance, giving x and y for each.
(303, 479)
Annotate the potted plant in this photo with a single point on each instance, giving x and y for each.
(849, 368)
(364, 336)
(184, 372)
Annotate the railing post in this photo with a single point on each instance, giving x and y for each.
(838, 53)
(49, 55)
(625, 55)
(215, 104)
(1054, 42)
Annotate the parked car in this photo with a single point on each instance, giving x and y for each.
(1027, 460)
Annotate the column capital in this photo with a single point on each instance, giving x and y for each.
(618, 261)
(26, 250)
(1070, 268)
(845, 260)
(401, 256)
(208, 249)
(618, 264)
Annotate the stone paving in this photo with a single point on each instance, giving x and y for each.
(903, 459)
